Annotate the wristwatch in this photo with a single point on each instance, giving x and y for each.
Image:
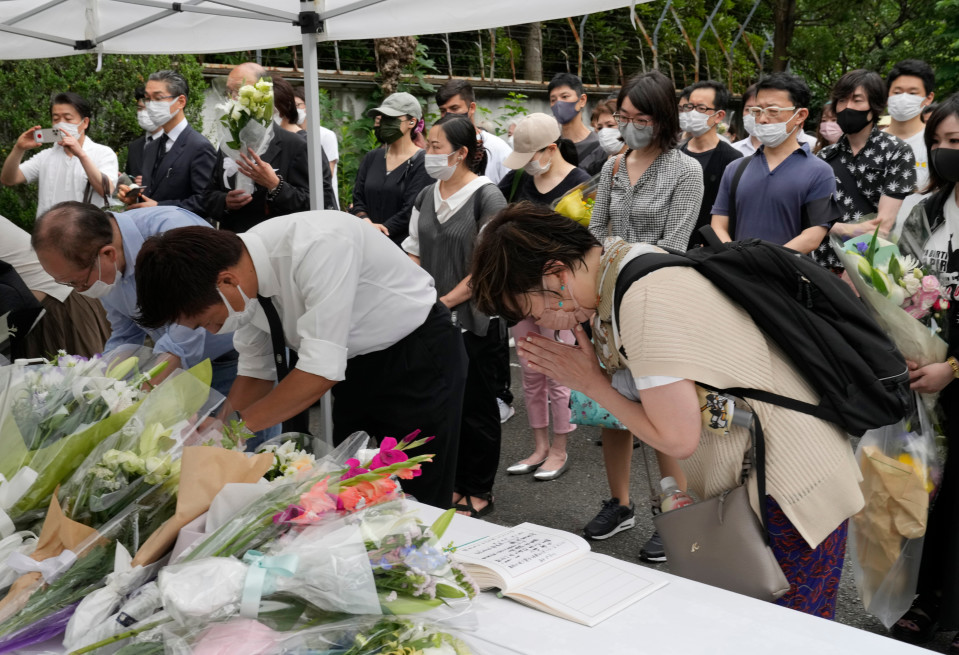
(234, 416)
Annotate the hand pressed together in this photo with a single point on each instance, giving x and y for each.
(573, 366)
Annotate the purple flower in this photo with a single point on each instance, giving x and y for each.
(388, 454)
(290, 513)
(355, 469)
(862, 247)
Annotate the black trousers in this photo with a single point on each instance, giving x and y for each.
(501, 354)
(417, 383)
(481, 431)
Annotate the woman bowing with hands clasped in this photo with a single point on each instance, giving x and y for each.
(676, 331)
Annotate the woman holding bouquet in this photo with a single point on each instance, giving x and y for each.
(446, 219)
(389, 178)
(931, 233)
(677, 330)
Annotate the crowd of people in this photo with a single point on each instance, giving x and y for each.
(412, 331)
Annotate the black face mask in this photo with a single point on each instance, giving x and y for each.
(388, 130)
(852, 121)
(944, 163)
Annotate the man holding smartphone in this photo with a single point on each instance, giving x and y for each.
(74, 168)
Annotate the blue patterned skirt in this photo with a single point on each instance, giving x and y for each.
(813, 573)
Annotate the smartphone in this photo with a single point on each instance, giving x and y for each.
(47, 135)
(134, 193)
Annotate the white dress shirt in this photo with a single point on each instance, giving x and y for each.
(746, 146)
(444, 209)
(15, 249)
(173, 134)
(340, 286)
(497, 150)
(61, 177)
(331, 148)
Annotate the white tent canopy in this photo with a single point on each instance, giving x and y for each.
(32, 29)
(57, 28)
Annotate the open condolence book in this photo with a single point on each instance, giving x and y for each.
(555, 572)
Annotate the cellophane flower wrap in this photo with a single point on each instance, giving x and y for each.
(246, 122)
(910, 305)
(363, 635)
(116, 523)
(347, 543)
(900, 473)
(53, 415)
(578, 202)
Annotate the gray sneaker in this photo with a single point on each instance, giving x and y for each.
(612, 519)
(652, 550)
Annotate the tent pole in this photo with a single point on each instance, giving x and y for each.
(315, 157)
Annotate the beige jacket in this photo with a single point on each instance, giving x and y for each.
(674, 322)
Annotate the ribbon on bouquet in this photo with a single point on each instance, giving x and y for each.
(11, 491)
(17, 542)
(261, 578)
(51, 568)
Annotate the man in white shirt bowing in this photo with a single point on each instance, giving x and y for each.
(362, 318)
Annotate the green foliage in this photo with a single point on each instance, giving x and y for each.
(414, 75)
(110, 91)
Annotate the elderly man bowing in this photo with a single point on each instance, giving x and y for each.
(363, 319)
(94, 252)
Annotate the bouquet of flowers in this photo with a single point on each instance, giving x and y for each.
(374, 635)
(578, 202)
(906, 302)
(289, 458)
(53, 415)
(247, 122)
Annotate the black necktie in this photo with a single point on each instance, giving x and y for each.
(276, 336)
(161, 152)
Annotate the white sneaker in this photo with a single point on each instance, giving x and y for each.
(505, 411)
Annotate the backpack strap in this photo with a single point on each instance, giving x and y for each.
(517, 176)
(616, 163)
(733, 185)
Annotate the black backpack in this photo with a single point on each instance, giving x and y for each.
(813, 316)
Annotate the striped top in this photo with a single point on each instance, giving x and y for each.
(675, 322)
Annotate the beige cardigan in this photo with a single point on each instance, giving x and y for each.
(674, 322)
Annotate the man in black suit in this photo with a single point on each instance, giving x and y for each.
(281, 174)
(151, 131)
(177, 165)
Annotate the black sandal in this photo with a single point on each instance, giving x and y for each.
(466, 505)
(923, 627)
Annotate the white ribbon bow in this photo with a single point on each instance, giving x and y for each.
(50, 569)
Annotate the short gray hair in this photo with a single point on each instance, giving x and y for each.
(175, 83)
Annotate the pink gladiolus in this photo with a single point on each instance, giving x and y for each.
(355, 469)
(388, 454)
(318, 500)
(289, 515)
(411, 437)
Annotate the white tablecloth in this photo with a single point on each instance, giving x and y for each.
(682, 618)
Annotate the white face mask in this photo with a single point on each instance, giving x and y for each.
(438, 166)
(560, 319)
(69, 128)
(300, 116)
(637, 137)
(100, 288)
(905, 106)
(159, 111)
(694, 122)
(145, 122)
(610, 140)
(773, 134)
(749, 124)
(237, 319)
(534, 168)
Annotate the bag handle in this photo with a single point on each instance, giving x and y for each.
(105, 185)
